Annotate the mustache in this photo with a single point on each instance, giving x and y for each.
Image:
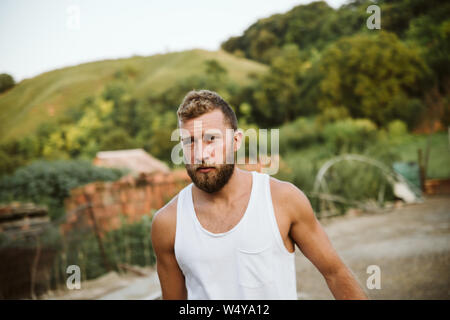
(201, 166)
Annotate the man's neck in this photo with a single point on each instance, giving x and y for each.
(230, 191)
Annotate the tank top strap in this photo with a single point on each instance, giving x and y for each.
(183, 207)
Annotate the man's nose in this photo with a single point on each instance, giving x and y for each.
(202, 153)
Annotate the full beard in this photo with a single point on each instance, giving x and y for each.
(213, 180)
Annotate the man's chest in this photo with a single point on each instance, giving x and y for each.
(220, 218)
(223, 218)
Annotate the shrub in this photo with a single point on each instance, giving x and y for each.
(50, 182)
(298, 134)
(397, 128)
(350, 135)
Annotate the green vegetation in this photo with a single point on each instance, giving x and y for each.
(306, 144)
(115, 119)
(49, 96)
(325, 61)
(336, 87)
(375, 77)
(50, 182)
(130, 244)
(6, 82)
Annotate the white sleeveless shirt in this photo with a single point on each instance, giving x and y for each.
(249, 261)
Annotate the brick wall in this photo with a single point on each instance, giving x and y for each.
(130, 196)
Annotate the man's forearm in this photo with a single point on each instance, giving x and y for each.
(344, 286)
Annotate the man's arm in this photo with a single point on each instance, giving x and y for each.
(170, 275)
(314, 243)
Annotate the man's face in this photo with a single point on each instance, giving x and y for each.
(209, 149)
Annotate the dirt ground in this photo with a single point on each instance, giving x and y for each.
(410, 244)
(114, 286)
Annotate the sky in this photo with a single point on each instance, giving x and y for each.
(42, 35)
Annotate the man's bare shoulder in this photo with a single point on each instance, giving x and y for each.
(289, 198)
(164, 222)
(168, 213)
(285, 190)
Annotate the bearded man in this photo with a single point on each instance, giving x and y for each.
(231, 233)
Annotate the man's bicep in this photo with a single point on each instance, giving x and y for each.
(311, 238)
(170, 275)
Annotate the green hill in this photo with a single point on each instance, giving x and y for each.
(46, 96)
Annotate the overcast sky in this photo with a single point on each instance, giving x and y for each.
(42, 35)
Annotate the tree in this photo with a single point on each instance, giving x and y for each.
(311, 26)
(117, 139)
(278, 94)
(6, 82)
(215, 70)
(398, 16)
(305, 24)
(434, 40)
(156, 139)
(375, 77)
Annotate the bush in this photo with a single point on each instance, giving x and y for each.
(299, 134)
(397, 128)
(301, 171)
(50, 182)
(350, 135)
(356, 181)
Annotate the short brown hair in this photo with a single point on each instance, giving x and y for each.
(196, 103)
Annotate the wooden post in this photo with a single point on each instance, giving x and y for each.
(34, 268)
(97, 233)
(421, 170)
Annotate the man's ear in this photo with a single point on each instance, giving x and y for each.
(237, 139)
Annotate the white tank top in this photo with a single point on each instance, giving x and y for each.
(249, 261)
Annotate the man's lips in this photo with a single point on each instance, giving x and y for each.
(205, 169)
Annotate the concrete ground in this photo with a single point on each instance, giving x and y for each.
(410, 244)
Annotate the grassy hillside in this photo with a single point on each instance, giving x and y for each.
(46, 96)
